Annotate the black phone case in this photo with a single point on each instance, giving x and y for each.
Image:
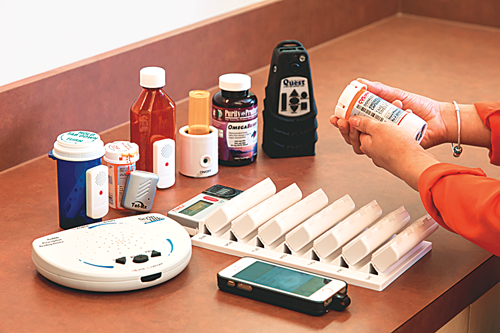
(285, 301)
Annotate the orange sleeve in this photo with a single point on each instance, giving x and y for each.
(465, 201)
(490, 114)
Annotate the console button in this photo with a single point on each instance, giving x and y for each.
(139, 259)
(121, 260)
(155, 254)
(294, 100)
(294, 107)
(294, 93)
(294, 67)
(303, 106)
(303, 94)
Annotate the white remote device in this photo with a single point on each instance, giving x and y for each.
(247, 223)
(97, 191)
(375, 236)
(306, 232)
(346, 230)
(233, 208)
(116, 255)
(164, 162)
(278, 226)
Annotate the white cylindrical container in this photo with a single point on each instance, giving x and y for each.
(282, 223)
(403, 243)
(258, 215)
(346, 230)
(375, 236)
(120, 158)
(238, 205)
(198, 153)
(355, 100)
(319, 223)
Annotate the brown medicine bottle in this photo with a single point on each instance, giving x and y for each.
(152, 116)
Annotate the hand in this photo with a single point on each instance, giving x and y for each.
(434, 113)
(392, 149)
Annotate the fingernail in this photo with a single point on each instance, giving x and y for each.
(354, 121)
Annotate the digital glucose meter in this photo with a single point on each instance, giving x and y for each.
(195, 210)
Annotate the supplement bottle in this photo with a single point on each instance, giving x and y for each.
(152, 116)
(120, 158)
(234, 115)
(357, 101)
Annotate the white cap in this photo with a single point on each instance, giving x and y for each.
(121, 152)
(78, 146)
(152, 77)
(347, 95)
(235, 82)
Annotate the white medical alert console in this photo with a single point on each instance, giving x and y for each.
(194, 211)
(116, 255)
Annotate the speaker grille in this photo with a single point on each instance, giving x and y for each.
(166, 151)
(100, 179)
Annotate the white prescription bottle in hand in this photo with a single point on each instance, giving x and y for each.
(355, 100)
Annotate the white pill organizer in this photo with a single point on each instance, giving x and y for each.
(116, 255)
(364, 248)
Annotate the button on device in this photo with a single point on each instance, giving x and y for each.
(294, 100)
(231, 283)
(294, 93)
(303, 106)
(303, 94)
(294, 67)
(121, 260)
(327, 290)
(139, 259)
(244, 287)
(294, 107)
(283, 102)
(210, 198)
(155, 254)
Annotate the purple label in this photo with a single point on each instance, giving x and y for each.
(237, 131)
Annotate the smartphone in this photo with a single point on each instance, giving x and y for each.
(284, 286)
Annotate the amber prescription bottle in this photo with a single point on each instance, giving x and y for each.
(152, 116)
(357, 101)
(234, 114)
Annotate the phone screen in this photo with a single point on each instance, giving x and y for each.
(282, 278)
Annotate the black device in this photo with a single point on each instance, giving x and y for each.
(284, 286)
(289, 108)
(222, 191)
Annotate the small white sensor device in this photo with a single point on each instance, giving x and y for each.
(97, 191)
(140, 191)
(117, 255)
(164, 162)
(199, 155)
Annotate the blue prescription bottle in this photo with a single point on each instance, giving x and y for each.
(75, 153)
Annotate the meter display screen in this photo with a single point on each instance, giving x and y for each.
(195, 208)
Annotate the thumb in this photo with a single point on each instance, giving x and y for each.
(362, 124)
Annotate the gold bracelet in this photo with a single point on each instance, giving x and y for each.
(457, 150)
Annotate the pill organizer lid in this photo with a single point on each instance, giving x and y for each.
(152, 77)
(347, 95)
(78, 146)
(235, 82)
(121, 152)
